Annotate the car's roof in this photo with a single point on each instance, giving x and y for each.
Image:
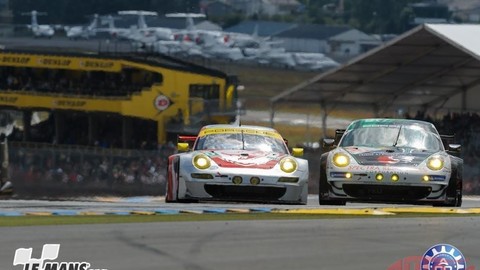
(371, 122)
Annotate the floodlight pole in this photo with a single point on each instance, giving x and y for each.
(272, 114)
(324, 119)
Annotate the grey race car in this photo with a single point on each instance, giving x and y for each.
(237, 163)
(390, 160)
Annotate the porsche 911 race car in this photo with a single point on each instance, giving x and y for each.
(390, 160)
(237, 163)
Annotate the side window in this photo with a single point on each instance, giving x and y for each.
(205, 91)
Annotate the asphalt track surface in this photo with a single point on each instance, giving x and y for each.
(375, 243)
(360, 243)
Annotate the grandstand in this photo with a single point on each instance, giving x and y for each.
(103, 124)
(128, 100)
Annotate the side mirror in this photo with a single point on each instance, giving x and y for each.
(328, 144)
(454, 149)
(183, 147)
(7, 188)
(297, 152)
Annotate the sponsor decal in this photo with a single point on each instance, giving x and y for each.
(15, 59)
(387, 169)
(69, 103)
(392, 123)
(357, 149)
(55, 62)
(238, 130)
(387, 160)
(374, 169)
(161, 103)
(96, 64)
(23, 257)
(10, 100)
(239, 159)
(384, 158)
(219, 175)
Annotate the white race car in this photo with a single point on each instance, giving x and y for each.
(391, 160)
(237, 163)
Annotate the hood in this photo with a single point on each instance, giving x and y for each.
(388, 156)
(244, 158)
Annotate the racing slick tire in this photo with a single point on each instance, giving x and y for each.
(171, 195)
(323, 187)
(171, 198)
(454, 193)
(167, 197)
(177, 200)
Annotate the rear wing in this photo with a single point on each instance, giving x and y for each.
(185, 142)
(186, 138)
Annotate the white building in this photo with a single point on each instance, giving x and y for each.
(350, 43)
(265, 7)
(338, 42)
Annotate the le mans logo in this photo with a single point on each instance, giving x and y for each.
(23, 256)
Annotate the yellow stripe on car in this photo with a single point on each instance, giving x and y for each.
(209, 131)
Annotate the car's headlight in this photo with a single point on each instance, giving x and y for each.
(288, 165)
(341, 160)
(435, 163)
(201, 162)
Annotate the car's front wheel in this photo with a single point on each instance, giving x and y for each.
(454, 193)
(323, 187)
(173, 167)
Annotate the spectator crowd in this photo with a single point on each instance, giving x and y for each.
(90, 83)
(75, 169)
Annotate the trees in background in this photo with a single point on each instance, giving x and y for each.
(77, 11)
(370, 16)
(373, 16)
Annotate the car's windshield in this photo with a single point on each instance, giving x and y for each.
(240, 141)
(399, 136)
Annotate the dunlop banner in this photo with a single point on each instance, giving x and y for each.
(60, 62)
(49, 102)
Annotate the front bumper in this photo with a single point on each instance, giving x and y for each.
(410, 186)
(222, 187)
